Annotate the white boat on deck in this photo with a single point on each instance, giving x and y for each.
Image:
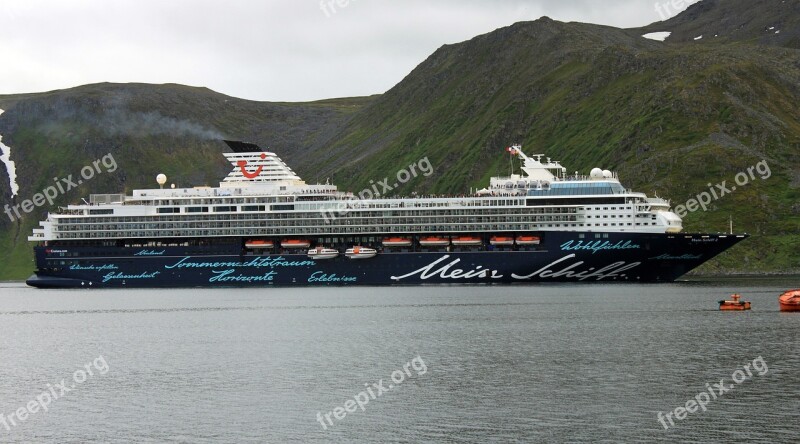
(359, 252)
(322, 253)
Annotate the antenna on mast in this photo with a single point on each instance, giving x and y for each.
(512, 151)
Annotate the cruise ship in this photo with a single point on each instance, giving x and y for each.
(264, 226)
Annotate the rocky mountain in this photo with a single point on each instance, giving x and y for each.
(763, 22)
(674, 117)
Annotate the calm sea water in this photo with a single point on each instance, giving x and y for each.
(543, 363)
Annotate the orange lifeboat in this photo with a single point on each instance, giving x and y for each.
(258, 244)
(735, 304)
(434, 241)
(501, 240)
(528, 240)
(467, 241)
(295, 243)
(790, 300)
(396, 242)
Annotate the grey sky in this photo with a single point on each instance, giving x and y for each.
(276, 50)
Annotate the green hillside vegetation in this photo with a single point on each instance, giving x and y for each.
(671, 118)
(148, 129)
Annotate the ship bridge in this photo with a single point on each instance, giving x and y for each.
(549, 178)
(580, 188)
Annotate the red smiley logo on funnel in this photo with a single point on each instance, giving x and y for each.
(243, 163)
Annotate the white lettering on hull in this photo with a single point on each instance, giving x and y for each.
(556, 269)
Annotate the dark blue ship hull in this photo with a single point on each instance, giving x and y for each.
(561, 257)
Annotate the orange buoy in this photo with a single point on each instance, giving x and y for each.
(790, 300)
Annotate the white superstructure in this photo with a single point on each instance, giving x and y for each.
(263, 197)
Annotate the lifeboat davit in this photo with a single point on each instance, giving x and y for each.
(322, 253)
(359, 252)
(396, 242)
(258, 244)
(790, 301)
(528, 240)
(467, 241)
(434, 241)
(295, 243)
(735, 304)
(501, 240)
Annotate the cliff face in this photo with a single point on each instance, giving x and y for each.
(762, 22)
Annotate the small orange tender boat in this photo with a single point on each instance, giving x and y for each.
(735, 304)
(396, 242)
(790, 300)
(258, 243)
(468, 241)
(295, 243)
(528, 240)
(434, 241)
(501, 240)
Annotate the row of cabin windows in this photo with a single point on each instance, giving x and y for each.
(613, 216)
(313, 215)
(262, 208)
(156, 225)
(307, 230)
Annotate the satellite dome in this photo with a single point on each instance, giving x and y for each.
(161, 179)
(607, 174)
(596, 173)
